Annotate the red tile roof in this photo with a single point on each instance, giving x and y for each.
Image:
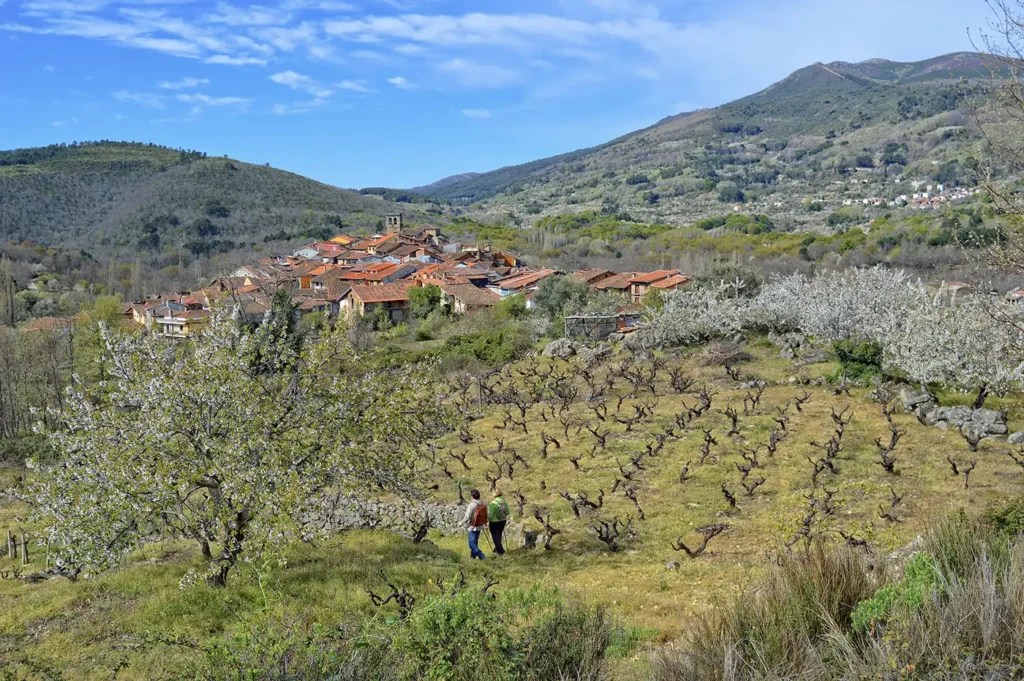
(520, 281)
(588, 276)
(619, 281)
(471, 296)
(672, 282)
(650, 277)
(386, 293)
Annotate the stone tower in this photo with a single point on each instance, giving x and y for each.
(393, 223)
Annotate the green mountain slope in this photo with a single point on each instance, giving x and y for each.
(127, 196)
(829, 131)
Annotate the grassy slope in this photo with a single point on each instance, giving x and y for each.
(87, 628)
(104, 194)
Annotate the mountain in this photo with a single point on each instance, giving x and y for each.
(811, 135)
(125, 196)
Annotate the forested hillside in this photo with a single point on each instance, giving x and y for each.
(127, 196)
(829, 131)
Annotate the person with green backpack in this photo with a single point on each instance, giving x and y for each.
(497, 516)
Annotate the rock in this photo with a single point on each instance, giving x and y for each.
(530, 539)
(592, 356)
(954, 416)
(739, 339)
(672, 565)
(1017, 438)
(997, 429)
(792, 380)
(561, 349)
(616, 337)
(787, 353)
(913, 401)
(988, 416)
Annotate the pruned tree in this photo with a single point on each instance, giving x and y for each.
(400, 595)
(708, 532)
(885, 451)
(610, 531)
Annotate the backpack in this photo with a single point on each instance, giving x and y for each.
(480, 516)
(498, 510)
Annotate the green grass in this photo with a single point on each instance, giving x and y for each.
(89, 627)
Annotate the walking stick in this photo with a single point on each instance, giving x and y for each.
(487, 531)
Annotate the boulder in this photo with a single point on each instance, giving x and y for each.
(591, 356)
(955, 417)
(672, 565)
(561, 349)
(988, 416)
(916, 401)
(616, 337)
(739, 339)
(1016, 438)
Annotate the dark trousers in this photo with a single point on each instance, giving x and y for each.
(497, 530)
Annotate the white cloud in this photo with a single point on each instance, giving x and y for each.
(141, 98)
(355, 86)
(473, 74)
(235, 61)
(298, 107)
(299, 81)
(206, 100)
(248, 16)
(320, 52)
(62, 123)
(287, 39)
(476, 113)
(183, 84)
(410, 49)
(49, 68)
(401, 83)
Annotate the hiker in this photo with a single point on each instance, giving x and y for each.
(497, 516)
(476, 519)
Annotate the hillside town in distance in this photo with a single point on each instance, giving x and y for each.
(371, 276)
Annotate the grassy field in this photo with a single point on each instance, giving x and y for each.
(91, 628)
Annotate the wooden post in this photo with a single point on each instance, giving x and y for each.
(12, 549)
(24, 549)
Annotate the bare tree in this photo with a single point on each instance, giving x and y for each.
(707, 532)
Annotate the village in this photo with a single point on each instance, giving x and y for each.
(371, 277)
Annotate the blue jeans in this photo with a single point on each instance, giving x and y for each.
(474, 548)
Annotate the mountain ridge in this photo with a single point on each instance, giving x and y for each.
(791, 142)
(860, 75)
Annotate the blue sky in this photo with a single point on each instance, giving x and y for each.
(403, 92)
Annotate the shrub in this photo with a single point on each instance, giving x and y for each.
(520, 634)
(533, 634)
(858, 359)
(491, 347)
(899, 599)
(1007, 518)
(778, 631)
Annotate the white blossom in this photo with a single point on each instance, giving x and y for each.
(229, 439)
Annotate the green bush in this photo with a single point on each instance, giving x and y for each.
(1007, 518)
(858, 359)
(533, 634)
(491, 347)
(899, 599)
